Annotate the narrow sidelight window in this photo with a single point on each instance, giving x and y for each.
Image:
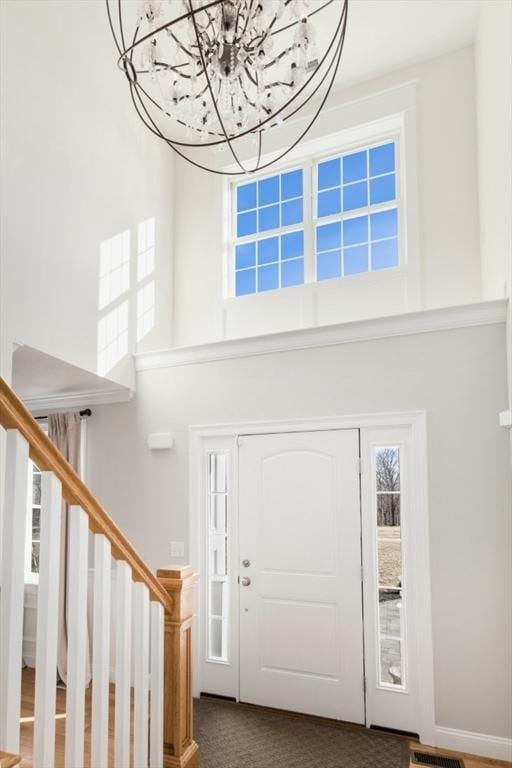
(218, 587)
(390, 571)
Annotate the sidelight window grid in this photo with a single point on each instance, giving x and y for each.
(218, 557)
(345, 213)
(390, 599)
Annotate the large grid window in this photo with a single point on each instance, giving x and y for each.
(356, 194)
(269, 252)
(351, 221)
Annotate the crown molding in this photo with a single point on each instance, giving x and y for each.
(74, 400)
(427, 321)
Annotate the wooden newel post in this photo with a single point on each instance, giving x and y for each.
(180, 749)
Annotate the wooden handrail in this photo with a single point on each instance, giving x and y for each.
(14, 415)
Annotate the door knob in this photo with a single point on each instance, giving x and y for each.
(246, 581)
(246, 563)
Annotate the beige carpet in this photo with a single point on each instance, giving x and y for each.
(237, 736)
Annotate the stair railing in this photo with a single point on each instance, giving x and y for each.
(152, 616)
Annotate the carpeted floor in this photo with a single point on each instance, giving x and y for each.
(238, 736)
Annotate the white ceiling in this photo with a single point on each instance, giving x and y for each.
(38, 375)
(383, 35)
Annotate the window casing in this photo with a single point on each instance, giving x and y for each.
(351, 222)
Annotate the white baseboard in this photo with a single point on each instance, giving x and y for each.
(496, 747)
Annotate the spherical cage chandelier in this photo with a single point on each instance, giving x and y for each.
(220, 74)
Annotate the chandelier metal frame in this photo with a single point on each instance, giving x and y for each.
(321, 78)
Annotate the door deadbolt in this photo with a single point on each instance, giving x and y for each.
(246, 563)
(246, 581)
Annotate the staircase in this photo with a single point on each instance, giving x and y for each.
(9, 761)
(152, 616)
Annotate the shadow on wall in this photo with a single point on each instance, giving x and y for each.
(125, 317)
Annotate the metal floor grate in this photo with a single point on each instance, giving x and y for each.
(439, 761)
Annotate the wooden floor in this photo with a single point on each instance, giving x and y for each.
(27, 723)
(27, 730)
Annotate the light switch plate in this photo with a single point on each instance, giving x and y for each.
(177, 549)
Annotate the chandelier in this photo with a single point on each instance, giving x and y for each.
(218, 75)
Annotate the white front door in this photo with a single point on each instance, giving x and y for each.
(301, 628)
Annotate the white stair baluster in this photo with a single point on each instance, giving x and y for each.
(123, 664)
(12, 580)
(141, 674)
(156, 744)
(101, 652)
(77, 637)
(47, 618)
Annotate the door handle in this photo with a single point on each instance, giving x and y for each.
(246, 582)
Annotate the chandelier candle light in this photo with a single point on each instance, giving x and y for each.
(218, 74)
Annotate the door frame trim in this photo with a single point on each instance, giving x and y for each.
(416, 421)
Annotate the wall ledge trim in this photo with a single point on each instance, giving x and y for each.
(73, 400)
(481, 744)
(426, 321)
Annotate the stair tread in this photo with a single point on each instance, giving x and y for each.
(9, 761)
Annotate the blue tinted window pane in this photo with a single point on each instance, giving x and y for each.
(328, 265)
(268, 218)
(245, 282)
(329, 202)
(291, 213)
(246, 197)
(355, 260)
(292, 273)
(382, 159)
(329, 174)
(268, 277)
(385, 254)
(291, 184)
(245, 255)
(355, 231)
(354, 167)
(328, 236)
(292, 245)
(382, 189)
(355, 196)
(268, 250)
(246, 224)
(384, 224)
(268, 191)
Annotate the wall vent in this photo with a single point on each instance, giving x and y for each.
(439, 761)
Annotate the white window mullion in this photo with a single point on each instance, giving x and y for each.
(309, 202)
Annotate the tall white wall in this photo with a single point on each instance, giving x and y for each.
(493, 58)
(447, 202)
(493, 53)
(458, 377)
(78, 168)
